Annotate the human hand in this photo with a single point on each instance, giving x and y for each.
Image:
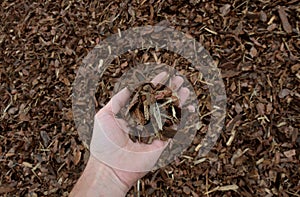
(112, 146)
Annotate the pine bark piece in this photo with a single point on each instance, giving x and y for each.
(284, 20)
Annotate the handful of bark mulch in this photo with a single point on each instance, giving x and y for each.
(153, 113)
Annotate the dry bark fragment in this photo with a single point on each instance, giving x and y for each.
(284, 20)
(290, 153)
(260, 108)
(4, 190)
(225, 9)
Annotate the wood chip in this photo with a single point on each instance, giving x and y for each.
(290, 153)
(186, 190)
(238, 108)
(253, 52)
(284, 20)
(283, 93)
(295, 68)
(45, 137)
(223, 188)
(225, 9)
(260, 108)
(26, 164)
(4, 190)
(76, 156)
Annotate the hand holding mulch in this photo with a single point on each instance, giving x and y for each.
(111, 143)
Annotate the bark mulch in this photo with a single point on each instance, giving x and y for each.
(256, 44)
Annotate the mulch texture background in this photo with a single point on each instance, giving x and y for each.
(256, 44)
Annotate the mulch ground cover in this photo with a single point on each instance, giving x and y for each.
(256, 45)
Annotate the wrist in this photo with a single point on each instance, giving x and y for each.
(99, 179)
(105, 178)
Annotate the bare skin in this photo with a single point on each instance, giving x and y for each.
(105, 179)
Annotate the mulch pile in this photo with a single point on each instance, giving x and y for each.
(256, 44)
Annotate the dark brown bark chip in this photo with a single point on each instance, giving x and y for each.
(284, 20)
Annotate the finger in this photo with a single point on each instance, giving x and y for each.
(176, 82)
(183, 94)
(118, 101)
(161, 78)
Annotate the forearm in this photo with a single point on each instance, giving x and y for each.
(99, 180)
